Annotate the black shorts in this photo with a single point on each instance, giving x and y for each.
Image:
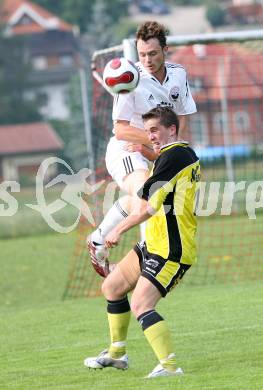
(162, 273)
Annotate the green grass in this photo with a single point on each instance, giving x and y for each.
(34, 269)
(217, 329)
(27, 221)
(217, 332)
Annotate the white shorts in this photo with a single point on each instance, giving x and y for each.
(121, 163)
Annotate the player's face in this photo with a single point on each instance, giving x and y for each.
(158, 134)
(152, 57)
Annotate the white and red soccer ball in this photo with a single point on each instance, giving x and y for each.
(121, 75)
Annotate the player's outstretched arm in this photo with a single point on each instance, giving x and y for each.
(149, 153)
(146, 150)
(139, 215)
(125, 132)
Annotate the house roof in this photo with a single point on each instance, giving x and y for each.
(218, 65)
(246, 11)
(28, 138)
(39, 19)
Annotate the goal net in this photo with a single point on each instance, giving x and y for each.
(225, 73)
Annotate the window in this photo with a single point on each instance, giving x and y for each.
(218, 123)
(199, 130)
(258, 119)
(241, 120)
(66, 60)
(39, 62)
(196, 84)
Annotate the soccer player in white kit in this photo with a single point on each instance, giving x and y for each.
(128, 151)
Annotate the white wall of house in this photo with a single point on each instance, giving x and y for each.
(11, 164)
(56, 107)
(9, 169)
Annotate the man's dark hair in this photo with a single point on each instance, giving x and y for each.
(150, 30)
(166, 116)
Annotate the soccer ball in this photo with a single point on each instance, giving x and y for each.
(121, 75)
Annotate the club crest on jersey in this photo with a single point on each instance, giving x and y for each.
(174, 93)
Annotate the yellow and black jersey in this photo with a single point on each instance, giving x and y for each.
(172, 189)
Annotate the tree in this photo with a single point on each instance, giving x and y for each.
(98, 21)
(188, 2)
(80, 12)
(215, 14)
(63, 129)
(99, 35)
(17, 104)
(76, 149)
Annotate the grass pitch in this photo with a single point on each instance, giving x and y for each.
(217, 329)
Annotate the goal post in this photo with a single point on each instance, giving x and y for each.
(225, 73)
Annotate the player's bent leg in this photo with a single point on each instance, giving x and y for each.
(145, 297)
(115, 287)
(95, 241)
(122, 207)
(134, 181)
(131, 184)
(129, 171)
(123, 278)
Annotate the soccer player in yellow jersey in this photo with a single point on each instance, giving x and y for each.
(154, 267)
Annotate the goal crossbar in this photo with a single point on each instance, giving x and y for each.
(191, 39)
(129, 49)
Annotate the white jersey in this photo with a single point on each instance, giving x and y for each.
(174, 92)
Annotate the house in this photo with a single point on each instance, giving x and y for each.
(226, 83)
(245, 11)
(245, 2)
(24, 147)
(53, 47)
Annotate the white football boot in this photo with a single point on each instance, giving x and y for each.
(159, 370)
(104, 360)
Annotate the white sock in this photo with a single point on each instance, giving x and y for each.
(115, 215)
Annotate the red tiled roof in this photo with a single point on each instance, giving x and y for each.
(28, 138)
(9, 7)
(246, 11)
(242, 71)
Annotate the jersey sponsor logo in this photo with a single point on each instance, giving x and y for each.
(150, 270)
(173, 66)
(174, 93)
(152, 263)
